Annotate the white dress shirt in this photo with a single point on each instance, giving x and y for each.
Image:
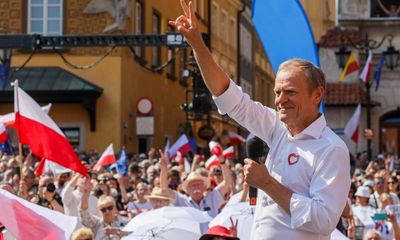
(314, 164)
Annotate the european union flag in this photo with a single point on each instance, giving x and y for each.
(7, 146)
(122, 163)
(378, 72)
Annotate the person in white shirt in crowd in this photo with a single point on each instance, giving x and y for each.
(304, 183)
(379, 188)
(109, 224)
(141, 203)
(72, 195)
(366, 212)
(62, 179)
(196, 187)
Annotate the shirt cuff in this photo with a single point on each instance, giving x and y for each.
(229, 99)
(300, 210)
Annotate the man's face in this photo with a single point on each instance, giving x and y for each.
(294, 102)
(159, 203)
(196, 189)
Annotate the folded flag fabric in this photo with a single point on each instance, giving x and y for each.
(350, 67)
(26, 220)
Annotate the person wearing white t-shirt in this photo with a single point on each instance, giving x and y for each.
(304, 183)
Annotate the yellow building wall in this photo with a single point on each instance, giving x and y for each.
(321, 14)
(107, 75)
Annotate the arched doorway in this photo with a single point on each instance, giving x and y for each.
(389, 134)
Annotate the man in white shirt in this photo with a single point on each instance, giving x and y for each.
(304, 183)
(72, 197)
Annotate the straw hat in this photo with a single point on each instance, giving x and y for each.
(195, 176)
(158, 193)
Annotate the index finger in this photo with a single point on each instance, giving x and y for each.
(185, 8)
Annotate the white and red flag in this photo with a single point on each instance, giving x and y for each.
(36, 129)
(215, 148)
(352, 126)
(182, 145)
(9, 118)
(212, 161)
(367, 69)
(235, 138)
(3, 133)
(107, 158)
(229, 152)
(26, 220)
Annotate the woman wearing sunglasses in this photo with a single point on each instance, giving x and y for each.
(109, 224)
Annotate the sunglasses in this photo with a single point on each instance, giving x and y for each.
(392, 182)
(380, 183)
(106, 209)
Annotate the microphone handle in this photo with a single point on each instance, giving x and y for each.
(253, 192)
(253, 196)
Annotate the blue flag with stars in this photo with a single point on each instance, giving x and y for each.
(122, 163)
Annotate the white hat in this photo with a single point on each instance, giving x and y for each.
(363, 192)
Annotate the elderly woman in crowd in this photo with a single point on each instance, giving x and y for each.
(109, 224)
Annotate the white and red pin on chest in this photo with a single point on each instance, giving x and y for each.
(293, 158)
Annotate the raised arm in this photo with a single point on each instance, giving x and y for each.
(225, 186)
(214, 77)
(164, 173)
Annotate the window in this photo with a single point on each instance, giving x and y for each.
(385, 8)
(224, 21)
(214, 19)
(156, 29)
(45, 17)
(171, 74)
(232, 32)
(139, 25)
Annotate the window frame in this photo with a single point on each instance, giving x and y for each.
(45, 6)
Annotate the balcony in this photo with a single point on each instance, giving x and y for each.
(369, 10)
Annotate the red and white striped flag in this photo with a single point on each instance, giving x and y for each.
(9, 118)
(215, 148)
(3, 133)
(235, 138)
(182, 145)
(40, 132)
(26, 220)
(351, 129)
(107, 158)
(367, 69)
(229, 152)
(212, 161)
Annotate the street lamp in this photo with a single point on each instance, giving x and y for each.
(365, 45)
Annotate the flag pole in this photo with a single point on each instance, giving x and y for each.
(16, 109)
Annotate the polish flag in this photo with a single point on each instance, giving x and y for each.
(107, 158)
(215, 148)
(229, 152)
(39, 131)
(235, 138)
(26, 220)
(212, 161)
(3, 133)
(9, 119)
(182, 145)
(351, 129)
(367, 69)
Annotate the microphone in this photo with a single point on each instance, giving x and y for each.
(254, 150)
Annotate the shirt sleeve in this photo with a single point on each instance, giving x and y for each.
(320, 212)
(67, 196)
(88, 220)
(258, 119)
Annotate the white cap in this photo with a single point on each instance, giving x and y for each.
(363, 191)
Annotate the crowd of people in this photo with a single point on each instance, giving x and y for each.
(106, 200)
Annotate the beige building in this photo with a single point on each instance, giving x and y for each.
(127, 75)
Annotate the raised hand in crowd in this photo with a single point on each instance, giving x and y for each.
(395, 225)
(233, 228)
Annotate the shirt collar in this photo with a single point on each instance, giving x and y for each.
(314, 129)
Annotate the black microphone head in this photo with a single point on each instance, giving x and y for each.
(255, 148)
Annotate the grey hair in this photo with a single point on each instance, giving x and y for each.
(315, 76)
